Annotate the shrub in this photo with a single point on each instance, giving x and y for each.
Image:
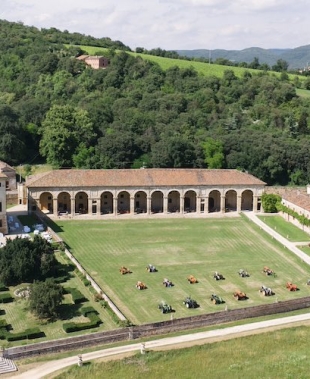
(26, 334)
(94, 321)
(3, 287)
(6, 298)
(77, 296)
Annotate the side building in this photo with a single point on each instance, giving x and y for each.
(134, 191)
(3, 220)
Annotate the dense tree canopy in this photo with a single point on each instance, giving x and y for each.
(45, 298)
(55, 109)
(22, 260)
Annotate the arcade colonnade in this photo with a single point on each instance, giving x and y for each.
(141, 200)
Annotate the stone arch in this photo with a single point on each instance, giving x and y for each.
(106, 202)
(214, 201)
(190, 201)
(230, 201)
(247, 200)
(123, 202)
(173, 201)
(46, 202)
(157, 202)
(64, 202)
(81, 202)
(140, 202)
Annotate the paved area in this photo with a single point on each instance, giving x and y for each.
(289, 245)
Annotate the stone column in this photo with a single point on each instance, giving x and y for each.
(181, 204)
(223, 204)
(55, 206)
(206, 204)
(255, 203)
(165, 204)
(115, 205)
(72, 206)
(149, 205)
(198, 204)
(132, 205)
(98, 207)
(239, 199)
(90, 206)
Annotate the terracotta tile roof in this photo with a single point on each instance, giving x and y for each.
(142, 177)
(4, 165)
(2, 175)
(298, 198)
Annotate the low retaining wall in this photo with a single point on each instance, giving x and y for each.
(159, 328)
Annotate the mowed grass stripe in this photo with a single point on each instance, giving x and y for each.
(179, 248)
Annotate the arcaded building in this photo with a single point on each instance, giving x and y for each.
(149, 191)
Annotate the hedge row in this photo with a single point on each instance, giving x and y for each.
(77, 296)
(26, 334)
(301, 218)
(6, 298)
(94, 321)
(3, 287)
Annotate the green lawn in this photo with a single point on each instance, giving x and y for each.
(18, 315)
(203, 68)
(179, 248)
(282, 354)
(285, 228)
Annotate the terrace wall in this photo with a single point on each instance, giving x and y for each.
(159, 328)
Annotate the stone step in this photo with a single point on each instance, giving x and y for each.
(7, 365)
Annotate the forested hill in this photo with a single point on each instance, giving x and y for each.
(55, 109)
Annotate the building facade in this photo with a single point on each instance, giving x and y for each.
(3, 221)
(10, 174)
(134, 191)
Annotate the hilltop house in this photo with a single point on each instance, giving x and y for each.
(94, 62)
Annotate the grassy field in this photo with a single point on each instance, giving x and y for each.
(285, 228)
(280, 354)
(179, 248)
(203, 68)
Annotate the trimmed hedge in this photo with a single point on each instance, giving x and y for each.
(94, 321)
(6, 298)
(89, 309)
(77, 296)
(26, 334)
(3, 287)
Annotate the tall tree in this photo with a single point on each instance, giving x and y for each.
(63, 129)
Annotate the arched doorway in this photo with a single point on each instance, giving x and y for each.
(81, 203)
(123, 202)
(140, 202)
(214, 201)
(231, 201)
(64, 202)
(174, 202)
(46, 202)
(190, 201)
(247, 200)
(157, 202)
(106, 202)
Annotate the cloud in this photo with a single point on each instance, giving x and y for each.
(172, 24)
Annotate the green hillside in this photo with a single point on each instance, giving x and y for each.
(201, 67)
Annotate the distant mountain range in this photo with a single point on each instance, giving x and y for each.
(297, 58)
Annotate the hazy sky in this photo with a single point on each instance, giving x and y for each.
(173, 24)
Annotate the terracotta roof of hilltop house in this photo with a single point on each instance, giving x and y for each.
(142, 177)
(298, 198)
